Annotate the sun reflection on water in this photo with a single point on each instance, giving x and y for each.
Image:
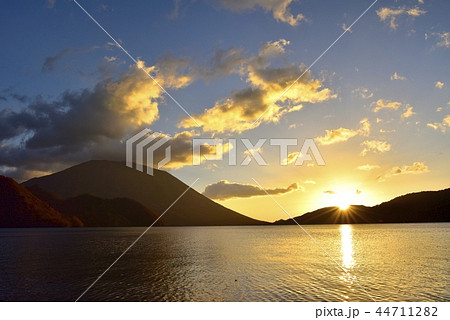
(348, 262)
(347, 247)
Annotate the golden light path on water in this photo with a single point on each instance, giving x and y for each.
(347, 247)
(348, 262)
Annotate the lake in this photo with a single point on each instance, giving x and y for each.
(392, 262)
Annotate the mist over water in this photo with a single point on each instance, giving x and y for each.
(392, 262)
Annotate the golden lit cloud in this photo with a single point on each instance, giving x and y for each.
(390, 15)
(368, 167)
(279, 9)
(408, 112)
(375, 146)
(415, 12)
(439, 84)
(267, 86)
(415, 168)
(292, 157)
(396, 76)
(444, 39)
(387, 14)
(344, 134)
(224, 190)
(443, 126)
(181, 151)
(386, 104)
(363, 93)
(135, 95)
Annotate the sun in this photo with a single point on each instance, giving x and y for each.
(342, 197)
(345, 199)
(344, 206)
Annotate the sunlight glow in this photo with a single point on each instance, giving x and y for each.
(342, 197)
(347, 246)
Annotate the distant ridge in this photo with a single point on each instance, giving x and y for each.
(20, 208)
(426, 206)
(96, 212)
(109, 180)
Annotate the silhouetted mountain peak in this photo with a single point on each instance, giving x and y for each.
(109, 180)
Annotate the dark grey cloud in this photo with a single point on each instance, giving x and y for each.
(224, 190)
(8, 94)
(223, 62)
(78, 125)
(49, 62)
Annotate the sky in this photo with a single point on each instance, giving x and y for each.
(374, 100)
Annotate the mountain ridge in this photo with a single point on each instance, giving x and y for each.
(157, 192)
(108, 194)
(423, 206)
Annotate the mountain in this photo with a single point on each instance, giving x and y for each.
(427, 206)
(96, 212)
(109, 180)
(21, 208)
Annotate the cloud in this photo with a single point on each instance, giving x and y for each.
(386, 104)
(181, 150)
(415, 12)
(49, 62)
(292, 157)
(8, 95)
(85, 124)
(266, 84)
(443, 39)
(344, 134)
(368, 167)
(110, 59)
(223, 62)
(443, 126)
(396, 76)
(329, 192)
(415, 168)
(408, 112)
(279, 9)
(174, 72)
(310, 182)
(439, 84)
(363, 92)
(345, 28)
(375, 146)
(224, 190)
(390, 15)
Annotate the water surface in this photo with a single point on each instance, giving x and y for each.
(392, 262)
